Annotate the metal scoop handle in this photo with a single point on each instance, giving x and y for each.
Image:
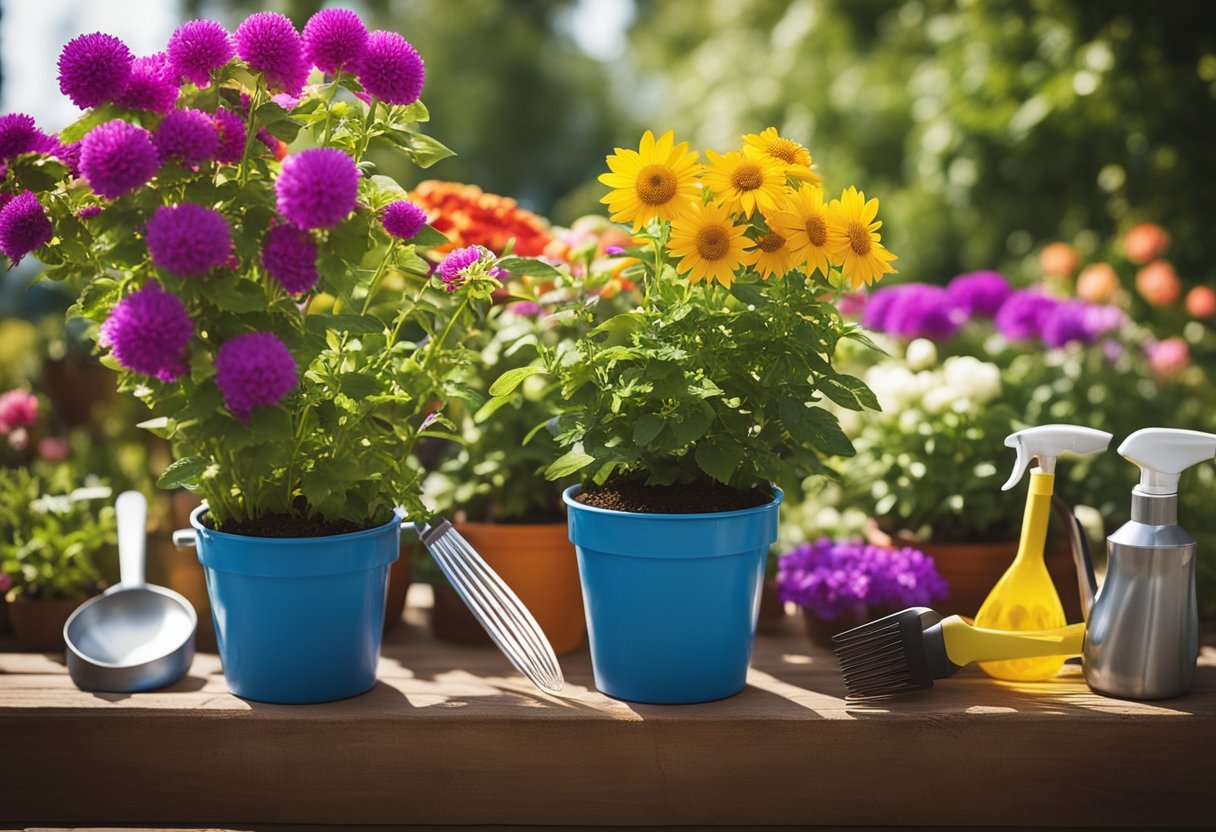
(132, 510)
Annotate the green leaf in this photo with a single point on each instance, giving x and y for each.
(184, 472)
(815, 426)
(508, 381)
(691, 425)
(429, 237)
(567, 464)
(76, 131)
(491, 407)
(423, 150)
(359, 385)
(716, 461)
(647, 428)
(529, 266)
(849, 392)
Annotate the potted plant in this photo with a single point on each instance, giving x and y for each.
(844, 584)
(269, 306)
(684, 414)
(53, 528)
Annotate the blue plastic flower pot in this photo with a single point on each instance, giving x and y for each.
(298, 620)
(671, 599)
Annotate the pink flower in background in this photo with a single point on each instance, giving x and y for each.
(1201, 302)
(18, 409)
(1059, 258)
(1158, 283)
(94, 69)
(1168, 357)
(403, 219)
(151, 86)
(54, 448)
(1097, 283)
(6, 583)
(197, 48)
(1145, 242)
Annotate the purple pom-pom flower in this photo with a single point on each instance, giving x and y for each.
(253, 370)
(454, 270)
(391, 69)
(1067, 322)
(1024, 314)
(979, 293)
(917, 310)
(878, 304)
(151, 86)
(94, 69)
(403, 219)
(117, 157)
(196, 49)
(334, 39)
(189, 136)
(269, 43)
(290, 256)
(24, 226)
(231, 130)
(188, 240)
(148, 331)
(317, 188)
(18, 134)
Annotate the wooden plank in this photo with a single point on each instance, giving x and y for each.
(452, 735)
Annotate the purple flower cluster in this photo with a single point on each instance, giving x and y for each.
(455, 267)
(979, 293)
(391, 69)
(94, 69)
(832, 578)
(334, 39)
(151, 86)
(18, 134)
(253, 370)
(198, 48)
(403, 219)
(231, 130)
(317, 188)
(24, 226)
(270, 44)
(189, 136)
(188, 240)
(148, 332)
(290, 256)
(913, 310)
(117, 157)
(1024, 315)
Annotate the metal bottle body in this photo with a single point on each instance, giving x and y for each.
(1143, 633)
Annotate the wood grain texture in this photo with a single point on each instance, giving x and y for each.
(452, 735)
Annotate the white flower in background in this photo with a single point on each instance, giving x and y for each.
(940, 399)
(895, 386)
(977, 381)
(921, 354)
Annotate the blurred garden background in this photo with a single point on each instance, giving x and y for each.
(1062, 145)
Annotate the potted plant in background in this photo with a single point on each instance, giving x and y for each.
(681, 414)
(270, 308)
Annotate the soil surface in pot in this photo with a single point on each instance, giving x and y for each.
(287, 525)
(698, 497)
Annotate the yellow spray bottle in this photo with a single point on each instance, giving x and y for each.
(1025, 598)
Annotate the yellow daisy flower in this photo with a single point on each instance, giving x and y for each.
(794, 159)
(710, 246)
(853, 238)
(804, 222)
(745, 181)
(772, 256)
(654, 181)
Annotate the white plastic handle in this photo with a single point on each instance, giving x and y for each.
(1046, 442)
(132, 510)
(1164, 453)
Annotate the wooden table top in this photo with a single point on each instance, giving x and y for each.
(452, 734)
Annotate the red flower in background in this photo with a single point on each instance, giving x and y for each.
(469, 216)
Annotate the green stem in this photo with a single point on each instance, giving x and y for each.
(255, 101)
(376, 278)
(368, 118)
(331, 94)
(436, 346)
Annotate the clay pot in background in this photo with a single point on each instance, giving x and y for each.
(820, 631)
(399, 575)
(771, 620)
(452, 621)
(4, 623)
(38, 625)
(74, 385)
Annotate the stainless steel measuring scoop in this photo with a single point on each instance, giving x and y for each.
(136, 636)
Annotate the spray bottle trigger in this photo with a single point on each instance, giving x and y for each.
(1021, 464)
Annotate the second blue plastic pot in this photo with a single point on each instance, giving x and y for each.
(298, 620)
(671, 599)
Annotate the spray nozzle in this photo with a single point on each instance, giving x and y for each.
(1046, 442)
(1164, 453)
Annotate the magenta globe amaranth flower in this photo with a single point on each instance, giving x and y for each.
(1066, 323)
(290, 256)
(269, 43)
(334, 39)
(19, 134)
(403, 219)
(198, 48)
(148, 331)
(187, 136)
(454, 270)
(979, 293)
(317, 188)
(254, 370)
(18, 409)
(117, 157)
(24, 226)
(391, 69)
(1024, 314)
(94, 69)
(915, 310)
(151, 86)
(230, 128)
(188, 240)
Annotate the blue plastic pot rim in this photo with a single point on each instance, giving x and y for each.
(197, 522)
(569, 494)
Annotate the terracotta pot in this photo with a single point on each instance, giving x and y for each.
(538, 562)
(452, 621)
(75, 385)
(771, 620)
(398, 585)
(972, 569)
(38, 625)
(4, 625)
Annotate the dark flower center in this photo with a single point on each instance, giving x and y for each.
(817, 230)
(656, 185)
(747, 177)
(712, 243)
(770, 242)
(859, 238)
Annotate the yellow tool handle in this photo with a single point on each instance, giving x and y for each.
(966, 644)
(1038, 512)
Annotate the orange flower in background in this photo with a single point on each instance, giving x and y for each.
(1145, 242)
(1158, 283)
(467, 215)
(1201, 302)
(1059, 258)
(1097, 283)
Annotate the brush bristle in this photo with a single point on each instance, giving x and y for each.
(884, 657)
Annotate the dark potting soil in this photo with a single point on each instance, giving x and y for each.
(286, 525)
(698, 497)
